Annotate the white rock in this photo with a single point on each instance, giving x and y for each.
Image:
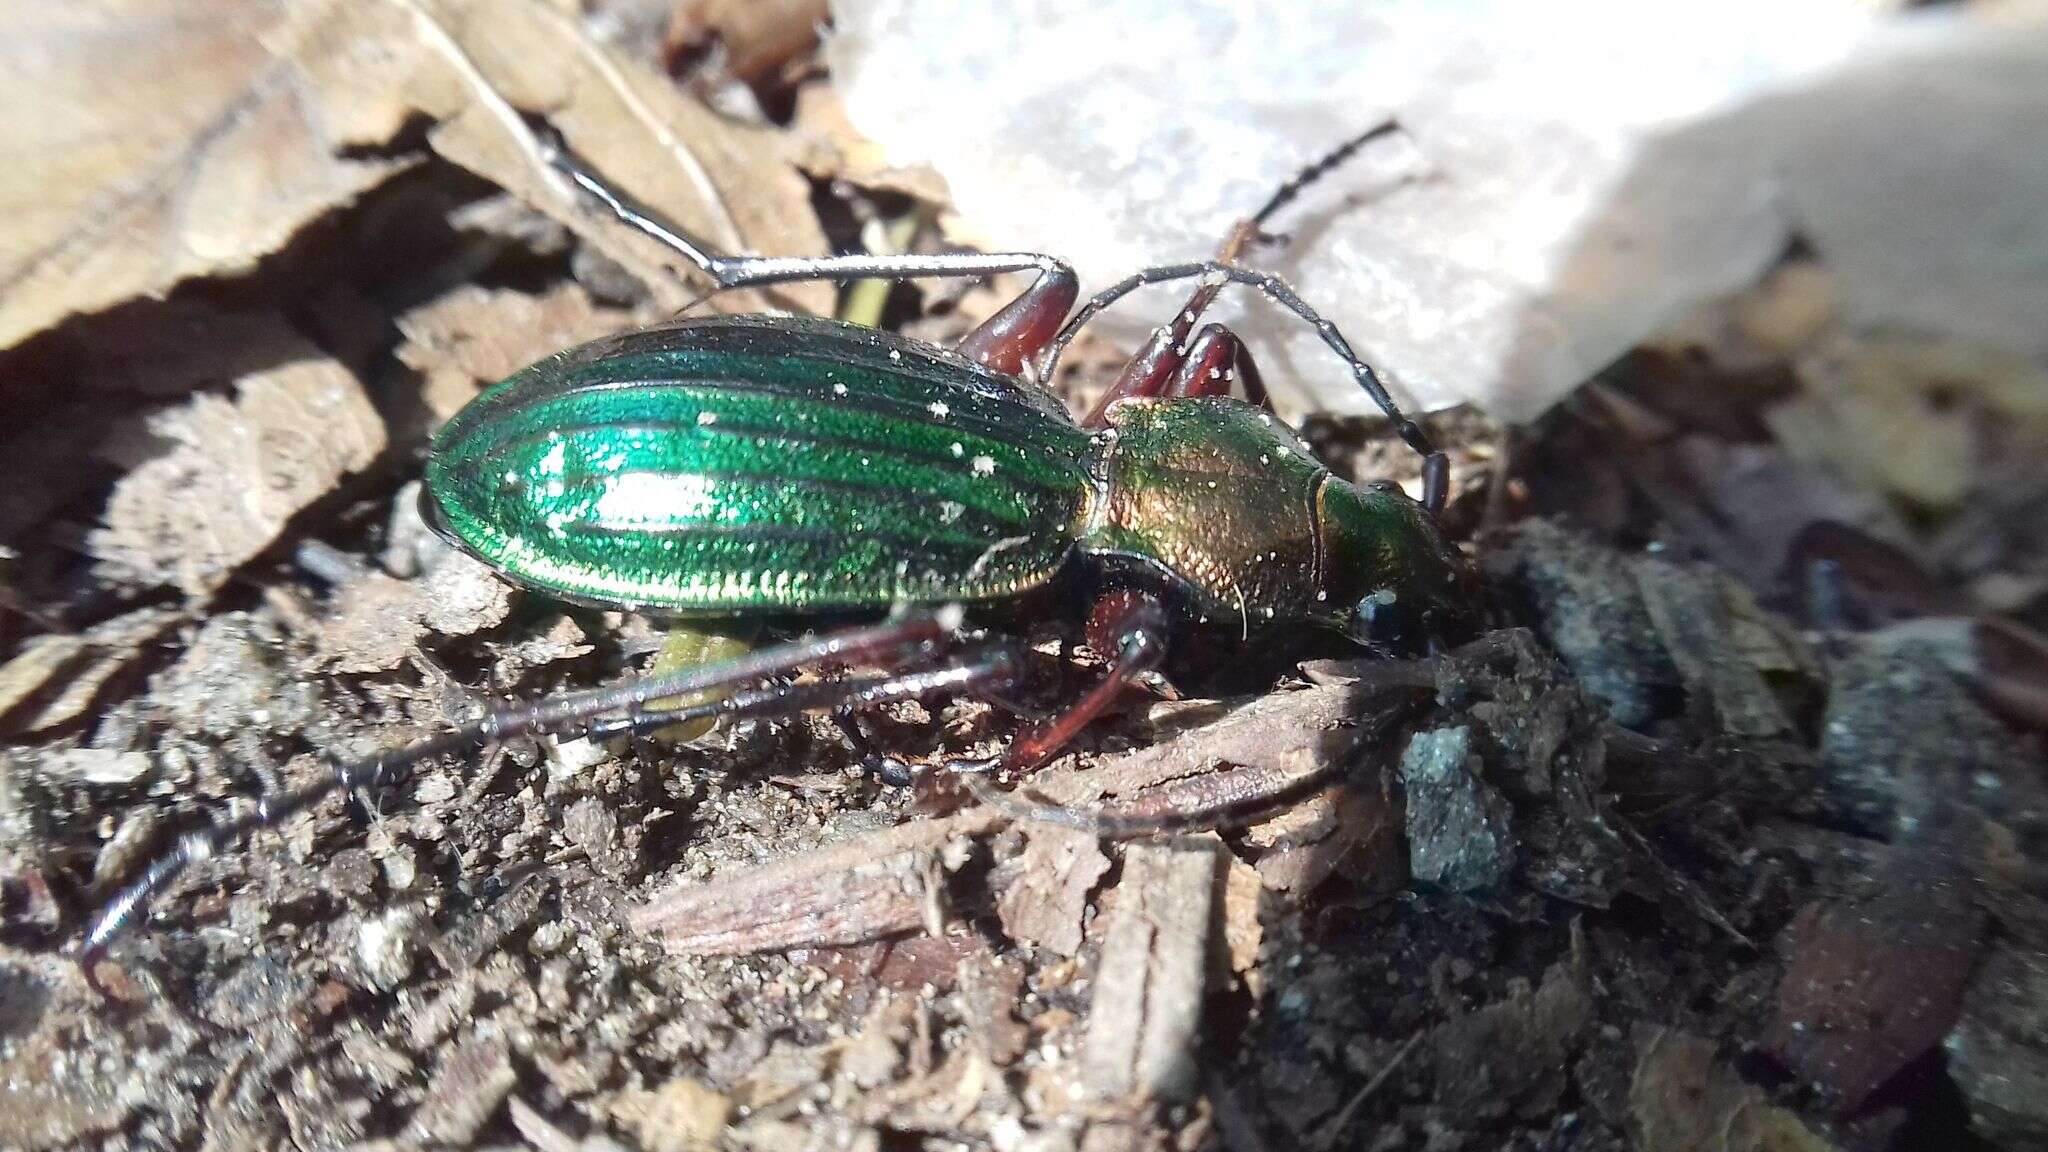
(1570, 177)
(385, 948)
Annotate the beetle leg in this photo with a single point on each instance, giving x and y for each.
(1131, 624)
(912, 632)
(1157, 368)
(1008, 340)
(761, 271)
(1210, 365)
(991, 666)
(1215, 359)
(1152, 370)
(1435, 470)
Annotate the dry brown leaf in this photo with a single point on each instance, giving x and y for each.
(1907, 415)
(54, 678)
(169, 142)
(236, 471)
(759, 38)
(37, 664)
(1684, 1100)
(166, 349)
(481, 67)
(477, 336)
(200, 135)
(1872, 985)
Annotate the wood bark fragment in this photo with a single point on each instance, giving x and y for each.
(1046, 897)
(1142, 1026)
(846, 893)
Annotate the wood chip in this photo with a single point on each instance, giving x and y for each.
(472, 1082)
(1354, 827)
(1275, 751)
(1143, 1020)
(1242, 891)
(540, 1133)
(91, 766)
(1044, 890)
(682, 1115)
(845, 893)
(1691, 613)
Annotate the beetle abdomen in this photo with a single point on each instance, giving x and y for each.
(745, 464)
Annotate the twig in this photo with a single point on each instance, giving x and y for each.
(1327, 1138)
(1679, 884)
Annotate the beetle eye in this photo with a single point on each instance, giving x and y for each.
(1376, 620)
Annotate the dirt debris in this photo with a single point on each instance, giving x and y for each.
(538, 974)
(379, 619)
(1046, 895)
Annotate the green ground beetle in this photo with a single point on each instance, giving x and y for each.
(801, 469)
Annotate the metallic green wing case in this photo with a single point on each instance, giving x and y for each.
(756, 464)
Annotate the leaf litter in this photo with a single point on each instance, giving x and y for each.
(1631, 909)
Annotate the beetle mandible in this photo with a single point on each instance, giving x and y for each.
(802, 469)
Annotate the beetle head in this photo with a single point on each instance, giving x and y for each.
(1396, 582)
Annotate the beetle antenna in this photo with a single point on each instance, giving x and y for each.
(1319, 168)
